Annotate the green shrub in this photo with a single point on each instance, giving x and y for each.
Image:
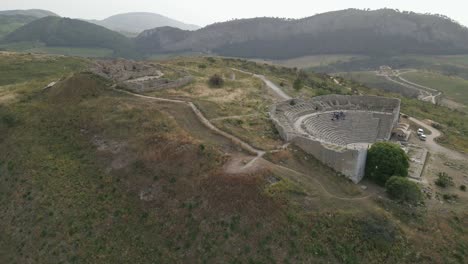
(202, 66)
(436, 126)
(403, 190)
(298, 84)
(385, 160)
(216, 81)
(463, 188)
(7, 118)
(450, 197)
(444, 180)
(211, 59)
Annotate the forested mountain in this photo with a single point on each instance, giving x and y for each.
(65, 32)
(378, 32)
(11, 20)
(157, 40)
(135, 23)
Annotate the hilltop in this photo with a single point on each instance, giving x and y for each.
(135, 23)
(11, 20)
(352, 31)
(66, 32)
(90, 173)
(37, 13)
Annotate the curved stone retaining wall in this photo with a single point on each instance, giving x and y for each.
(344, 156)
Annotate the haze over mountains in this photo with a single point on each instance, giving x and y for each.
(135, 23)
(38, 13)
(352, 31)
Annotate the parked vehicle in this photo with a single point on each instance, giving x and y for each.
(422, 137)
(420, 132)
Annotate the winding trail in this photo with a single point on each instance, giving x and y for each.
(427, 94)
(232, 117)
(433, 146)
(258, 153)
(204, 120)
(276, 90)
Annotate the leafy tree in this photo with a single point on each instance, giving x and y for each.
(403, 190)
(384, 160)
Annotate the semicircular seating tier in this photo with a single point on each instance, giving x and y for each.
(337, 119)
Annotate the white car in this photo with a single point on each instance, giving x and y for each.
(422, 137)
(420, 132)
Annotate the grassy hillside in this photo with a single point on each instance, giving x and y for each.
(454, 88)
(10, 20)
(455, 122)
(451, 65)
(92, 175)
(9, 23)
(64, 32)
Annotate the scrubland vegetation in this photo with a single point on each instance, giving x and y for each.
(92, 175)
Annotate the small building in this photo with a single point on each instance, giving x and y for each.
(402, 132)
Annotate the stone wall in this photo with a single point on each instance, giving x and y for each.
(349, 162)
(156, 84)
(284, 129)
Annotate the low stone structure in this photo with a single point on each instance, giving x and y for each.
(141, 76)
(337, 129)
(153, 84)
(402, 132)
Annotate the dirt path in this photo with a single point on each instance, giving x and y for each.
(238, 164)
(426, 94)
(203, 119)
(276, 90)
(432, 145)
(232, 117)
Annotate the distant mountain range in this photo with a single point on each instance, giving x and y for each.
(135, 23)
(352, 31)
(38, 13)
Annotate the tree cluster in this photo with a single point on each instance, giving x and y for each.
(385, 160)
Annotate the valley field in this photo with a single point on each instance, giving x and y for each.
(454, 88)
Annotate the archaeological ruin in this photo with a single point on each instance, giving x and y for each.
(141, 77)
(337, 129)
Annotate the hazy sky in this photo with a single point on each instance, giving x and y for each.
(203, 12)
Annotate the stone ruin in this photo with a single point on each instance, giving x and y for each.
(337, 129)
(140, 76)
